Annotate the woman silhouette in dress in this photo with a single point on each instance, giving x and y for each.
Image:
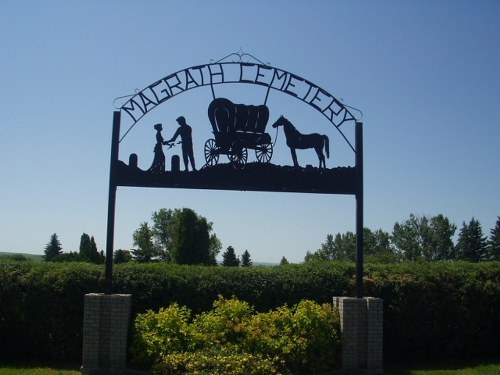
(158, 165)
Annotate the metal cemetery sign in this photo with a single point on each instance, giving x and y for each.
(237, 130)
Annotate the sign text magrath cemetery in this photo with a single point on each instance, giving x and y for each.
(237, 130)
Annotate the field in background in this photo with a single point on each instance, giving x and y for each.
(37, 258)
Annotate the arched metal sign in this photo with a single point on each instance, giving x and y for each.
(237, 130)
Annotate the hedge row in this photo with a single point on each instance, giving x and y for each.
(430, 309)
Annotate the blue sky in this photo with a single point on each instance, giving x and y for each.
(425, 74)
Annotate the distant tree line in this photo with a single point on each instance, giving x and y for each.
(88, 252)
(417, 238)
(178, 236)
(182, 236)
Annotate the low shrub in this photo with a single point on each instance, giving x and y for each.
(198, 363)
(166, 331)
(304, 337)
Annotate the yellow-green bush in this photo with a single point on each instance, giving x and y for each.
(303, 337)
(210, 363)
(165, 331)
(306, 337)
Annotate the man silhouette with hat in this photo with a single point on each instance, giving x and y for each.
(184, 131)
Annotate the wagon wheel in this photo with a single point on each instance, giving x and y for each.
(264, 152)
(238, 155)
(211, 152)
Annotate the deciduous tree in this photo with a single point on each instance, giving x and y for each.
(182, 236)
(190, 238)
(146, 250)
(122, 256)
(161, 231)
(423, 238)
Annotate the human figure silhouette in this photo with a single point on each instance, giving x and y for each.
(184, 131)
(158, 165)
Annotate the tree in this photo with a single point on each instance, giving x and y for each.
(72, 256)
(283, 261)
(180, 236)
(377, 247)
(494, 242)
(53, 248)
(407, 239)
(440, 243)
(146, 250)
(342, 247)
(421, 238)
(88, 250)
(190, 241)
(161, 231)
(471, 244)
(229, 258)
(122, 256)
(246, 261)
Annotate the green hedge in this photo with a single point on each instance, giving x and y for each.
(438, 310)
(41, 308)
(431, 310)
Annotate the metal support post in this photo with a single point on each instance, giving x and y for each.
(108, 277)
(359, 210)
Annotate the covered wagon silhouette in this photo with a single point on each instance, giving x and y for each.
(237, 128)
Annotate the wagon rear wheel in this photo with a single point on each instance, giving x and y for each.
(238, 155)
(264, 152)
(211, 152)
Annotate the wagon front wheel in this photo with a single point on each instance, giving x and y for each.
(264, 152)
(211, 152)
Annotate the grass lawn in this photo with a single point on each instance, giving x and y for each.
(440, 369)
(443, 369)
(29, 369)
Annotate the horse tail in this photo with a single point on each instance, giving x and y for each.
(327, 146)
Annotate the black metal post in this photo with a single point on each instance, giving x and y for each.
(108, 276)
(359, 210)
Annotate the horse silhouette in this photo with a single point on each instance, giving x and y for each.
(297, 140)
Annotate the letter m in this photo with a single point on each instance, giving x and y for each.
(134, 109)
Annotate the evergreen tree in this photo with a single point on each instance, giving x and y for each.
(96, 256)
(53, 248)
(229, 258)
(88, 250)
(283, 261)
(85, 247)
(494, 242)
(246, 261)
(471, 244)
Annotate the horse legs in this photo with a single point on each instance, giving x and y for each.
(321, 157)
(294, 157)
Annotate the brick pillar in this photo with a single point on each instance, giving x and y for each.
(361, 322)
(105, 331)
